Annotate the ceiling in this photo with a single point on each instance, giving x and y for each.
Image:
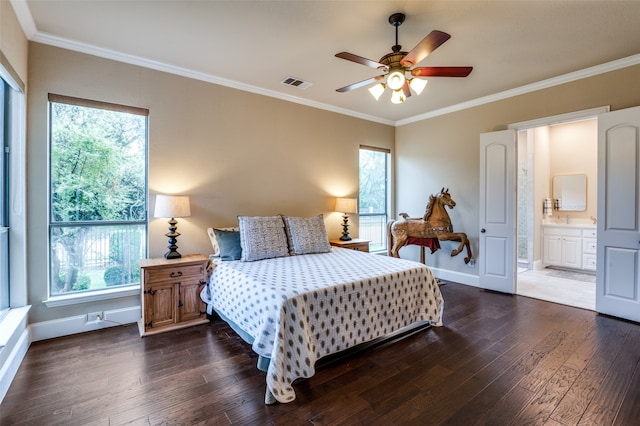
(514, 46)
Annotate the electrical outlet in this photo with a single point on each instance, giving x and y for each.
(94, 316)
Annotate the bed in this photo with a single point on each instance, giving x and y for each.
(299, 307)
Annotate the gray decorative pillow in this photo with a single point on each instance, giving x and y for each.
(262, 237)
(307, 235)
(229, 244)
(214, 239)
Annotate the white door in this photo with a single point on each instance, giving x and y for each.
(618, 253)
(497, 257)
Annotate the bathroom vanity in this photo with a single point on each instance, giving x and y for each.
(569, 245)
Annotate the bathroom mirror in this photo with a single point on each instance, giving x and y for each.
(570, 192)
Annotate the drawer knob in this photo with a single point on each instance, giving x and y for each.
(176, 274)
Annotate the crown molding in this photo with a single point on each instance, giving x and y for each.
(101, 52)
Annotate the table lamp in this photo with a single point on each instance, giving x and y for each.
(346, 206)
(172, 206)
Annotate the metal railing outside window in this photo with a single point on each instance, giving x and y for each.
(101, 256)
(373, 227)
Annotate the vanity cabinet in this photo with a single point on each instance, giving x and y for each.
(570, 247)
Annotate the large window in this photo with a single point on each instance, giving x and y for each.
(5, 91)
(374, 196)
(97, 196)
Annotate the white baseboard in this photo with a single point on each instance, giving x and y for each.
(79, 324)
(457, 277)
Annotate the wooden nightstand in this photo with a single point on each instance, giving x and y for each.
(170, 293)
(355, 244)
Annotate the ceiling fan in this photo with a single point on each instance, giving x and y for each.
(397, 63)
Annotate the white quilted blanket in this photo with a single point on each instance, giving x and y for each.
(298, 309)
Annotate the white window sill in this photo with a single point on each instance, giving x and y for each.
(93, 296)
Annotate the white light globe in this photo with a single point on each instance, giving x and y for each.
(395, 80)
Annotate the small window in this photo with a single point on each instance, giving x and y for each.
(98, 195)
(374, 196)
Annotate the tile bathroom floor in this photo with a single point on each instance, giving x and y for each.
(539, 284)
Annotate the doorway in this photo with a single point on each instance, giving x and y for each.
(555, 146)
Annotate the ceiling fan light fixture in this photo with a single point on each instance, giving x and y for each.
(418, 85)
(395, 80)
(377, 90)
(397, 97)
(396, 64)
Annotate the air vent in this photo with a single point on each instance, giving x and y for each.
(292, 81)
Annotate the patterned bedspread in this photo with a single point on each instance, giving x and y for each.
(298, 309)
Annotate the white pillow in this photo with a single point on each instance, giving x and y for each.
(262, 237)
(307, 235)
(214, 240)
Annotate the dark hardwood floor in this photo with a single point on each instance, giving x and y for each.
(498, 360)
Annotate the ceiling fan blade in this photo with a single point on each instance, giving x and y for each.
(441, 71)
(360, 60)
(406, 89)
(360, 84)
(424, 48)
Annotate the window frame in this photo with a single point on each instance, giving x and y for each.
(14, 150)
(5, 190)
(82, 296)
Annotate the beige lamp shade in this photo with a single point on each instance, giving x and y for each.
(346, 205)
(172, 206)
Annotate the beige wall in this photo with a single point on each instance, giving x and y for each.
(574, 151)
(13, 42)
(444, 151)
(235, 153)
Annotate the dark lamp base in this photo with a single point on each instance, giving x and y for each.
(173, 239)
(345, 228)
(172, 255)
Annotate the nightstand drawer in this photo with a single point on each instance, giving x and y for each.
(181, 273)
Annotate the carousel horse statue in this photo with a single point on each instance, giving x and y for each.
(434, 226)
